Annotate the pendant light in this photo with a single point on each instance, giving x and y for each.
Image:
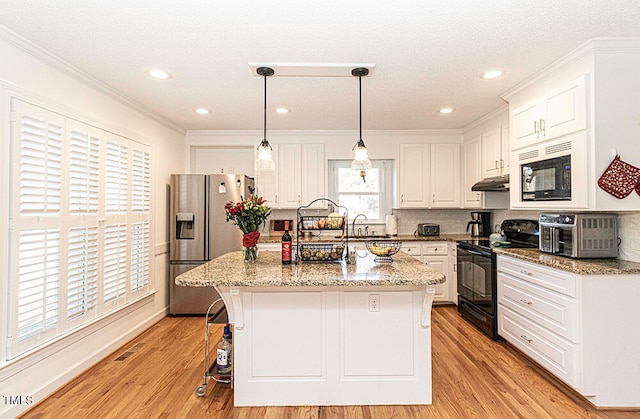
(361, 160)
(265, 162)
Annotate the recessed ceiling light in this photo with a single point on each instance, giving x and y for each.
(282, 110)
(203, 111)
(446, 110)
(491, 74)
(159, 74)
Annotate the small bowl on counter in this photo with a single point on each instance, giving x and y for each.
(383, 249)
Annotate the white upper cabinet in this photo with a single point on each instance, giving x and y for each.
(429, 175)
(289, 175)
(445, 176)
(298, 179)
(313, 174)
(301, 174)
(583, 105)
(557, 111)
(414, 176)
(495, 152)
(471, 173)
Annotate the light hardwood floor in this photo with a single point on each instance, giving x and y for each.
(156, 374)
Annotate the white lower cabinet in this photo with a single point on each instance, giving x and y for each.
(581, 328)
(436, 255)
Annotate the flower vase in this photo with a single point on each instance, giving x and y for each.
(250, 254)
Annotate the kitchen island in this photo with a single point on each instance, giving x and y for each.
(326, 333)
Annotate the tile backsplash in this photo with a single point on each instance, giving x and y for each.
(629, 233)
(455, 221)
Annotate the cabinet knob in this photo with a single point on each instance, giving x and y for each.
(402, 198)
(542, 126)
(525, 272)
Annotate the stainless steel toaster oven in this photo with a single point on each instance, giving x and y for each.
(428, 229)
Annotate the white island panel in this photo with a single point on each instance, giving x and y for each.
(309, 334)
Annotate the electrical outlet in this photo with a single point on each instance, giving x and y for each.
(374, 302)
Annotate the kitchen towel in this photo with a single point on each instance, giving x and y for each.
(620, 178)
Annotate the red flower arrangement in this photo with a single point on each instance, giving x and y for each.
(248, 215)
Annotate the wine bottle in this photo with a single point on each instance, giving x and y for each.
(286, 245)
(223, 359)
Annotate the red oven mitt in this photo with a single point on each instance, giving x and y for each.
(620, 179)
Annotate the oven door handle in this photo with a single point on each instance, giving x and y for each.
(478, 253)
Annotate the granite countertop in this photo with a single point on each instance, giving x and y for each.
(576, 266)
(230, 270)
(401, 237)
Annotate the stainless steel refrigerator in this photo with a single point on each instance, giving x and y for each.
(199, 232)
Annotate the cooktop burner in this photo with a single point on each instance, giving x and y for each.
(519, 234)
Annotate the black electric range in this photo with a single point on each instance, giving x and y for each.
(477, 273)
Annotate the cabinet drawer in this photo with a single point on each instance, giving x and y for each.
(413, 249)
(435, 248)
(553, 279)
(551, 310)
(555, 354)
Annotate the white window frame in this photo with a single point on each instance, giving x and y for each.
(104, 187)
(386, 185)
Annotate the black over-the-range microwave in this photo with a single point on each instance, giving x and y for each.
(546, 180)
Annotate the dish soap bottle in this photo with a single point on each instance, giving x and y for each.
(224, 353)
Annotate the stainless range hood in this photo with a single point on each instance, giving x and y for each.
(492, 184)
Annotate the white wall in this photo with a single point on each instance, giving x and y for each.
(25, 69)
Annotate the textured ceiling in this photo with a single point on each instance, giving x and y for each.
(428, 54)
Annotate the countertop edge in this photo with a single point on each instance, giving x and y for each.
(575, 266)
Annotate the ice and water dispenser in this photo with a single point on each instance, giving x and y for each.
(184, 226)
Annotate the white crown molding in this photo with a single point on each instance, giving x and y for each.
(54, 61)
(599, 45)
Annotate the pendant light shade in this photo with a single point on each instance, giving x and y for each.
(264, 161)
(361, 160)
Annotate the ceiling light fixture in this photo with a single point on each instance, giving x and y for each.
(361, 160)
(265, 162)
(203, 111)
(446, 110)
(159, 75)
(491, 74)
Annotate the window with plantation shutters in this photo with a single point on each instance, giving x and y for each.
(80, 225)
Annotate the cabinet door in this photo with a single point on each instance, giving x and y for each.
(414, 175)
(491, 155)
(445, 176)
(289, 175)
(472, 173)
(505, 151)
(566, 109)
(524, 123)
(313, 174)
(267, 182)
(440, 264)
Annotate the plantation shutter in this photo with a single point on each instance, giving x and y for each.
(82, 273)
(80, 225)
(35, 250)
